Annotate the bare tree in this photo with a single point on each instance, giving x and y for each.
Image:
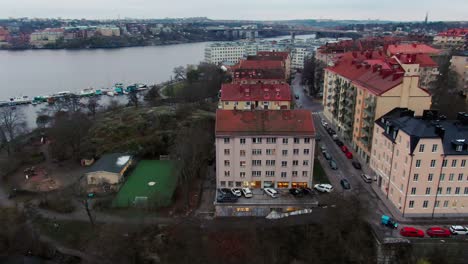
(180, 73)
(12, 124)
(92, 105)
(133, 98)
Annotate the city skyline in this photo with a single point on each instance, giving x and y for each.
(398, 10)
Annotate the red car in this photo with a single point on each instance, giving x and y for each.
(438, 232)
(344, 149)
(349, 155)
(411, 232)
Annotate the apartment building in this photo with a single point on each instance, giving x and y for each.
(109, 31)
(255, 96)
(421, 162)
(270, 148)
(358, 90)
(255, 71)
(459, 64)
(230, 52)
(452, 38)
(46, 36)
(283, 56)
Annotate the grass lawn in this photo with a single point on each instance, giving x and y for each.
(156, 172)
(173, 89)
(319, 174)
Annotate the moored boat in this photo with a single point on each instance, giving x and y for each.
(87, 92)
(19, 100)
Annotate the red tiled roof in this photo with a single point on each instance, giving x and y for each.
(255, 92)
(454, 32)
(423, 59)
(264, 122)
(259, 64)
(411, 49)
(282, 54)
(259, 74)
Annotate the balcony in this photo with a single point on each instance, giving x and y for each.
(370, 102)
(369, 112)
(365, 140)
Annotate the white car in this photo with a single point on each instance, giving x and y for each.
(247, 192)
(271, 192)
(323, 187)
(236, 191)
(324, 123)
(459, 230)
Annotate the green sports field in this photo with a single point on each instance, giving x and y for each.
(152, 179)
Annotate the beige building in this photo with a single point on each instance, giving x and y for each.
(459, 64)
(452, 38)
(356, 92)
(46, 36)
(109, 169)
(109, 31)
(260, 149)
(255, 97)
(420, 163)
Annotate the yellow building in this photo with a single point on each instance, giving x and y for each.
(356, 92)
(255, 96)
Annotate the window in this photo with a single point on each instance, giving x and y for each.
(413, 190)
(421, 148)
(457, 190)
(442, 176)
(223, 183)
(466, 190)
(437, 203)
(256, 173)
(227, 173)
(284, 152)
(256, 163)
(444, 163)
(307, 140)
(460, 177)
(270, 162)
(430, 176)
(227, 151)
(294, 173)
(463, 163)
(230, 184)
(242, 141)
(256, 152)
(451, 175)
(306, 151)
(449, 190)
(271, 140)
(271, 151)
(418, 163)
(238, 184)
(304, 174)
(305, 163)
(284, 174)
(242, 174)
(284, 164)
(242, 153)
(439, 190)
(296, 151)
(445, 203)
(285, 141)
(242, 163)
(454, 163)
(425, 204)
(428, 190)
(433, 163)
(227, 163)
(257, 140)
(296, 140)
(295, 162)
(226, 140)
(270, 173)
(434, 148)
(416, 177)
(411, 204)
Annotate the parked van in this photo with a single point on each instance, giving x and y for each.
(366, 178)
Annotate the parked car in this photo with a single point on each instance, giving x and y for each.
(344, 149)
(295, 192)
(296, 96)
(236, 191)
(224, 190)
(271, 192)
(324, 123)
(366, 178)
(324, 187)
(334, 136)
(459, 230)
(356, 165)
(349, 155)
(318, 137)
(339, 143)
(411, 232)
(306, 191)
(345, 184)
(388, 221)
(331, 131)
(247, 192)
(332, 164)
(222, 198)
(438, 232)
(323, 148)
(326, 155)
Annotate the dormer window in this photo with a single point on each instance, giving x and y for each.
(459, 148)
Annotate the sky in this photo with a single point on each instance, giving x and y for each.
(397, 10)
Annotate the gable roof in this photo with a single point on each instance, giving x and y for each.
(114, 163)
(411, 48)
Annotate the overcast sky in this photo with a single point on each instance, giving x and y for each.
(408, 10)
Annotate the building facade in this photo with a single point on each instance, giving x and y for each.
(267, 148)
(459, 64)
(357, 91)
(420, 163)
(452, 38)
(255, 97)
(46, 36)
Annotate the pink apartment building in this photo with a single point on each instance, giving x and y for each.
(268, 148)
(420, 162)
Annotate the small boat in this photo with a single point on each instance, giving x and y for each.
(4, 103)
(20, 100)
(130, 88)
(111, 93)
(87, 92)
(39, 100)
(141, 87)
(118, 88)
(61, 94)
(98, 92)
